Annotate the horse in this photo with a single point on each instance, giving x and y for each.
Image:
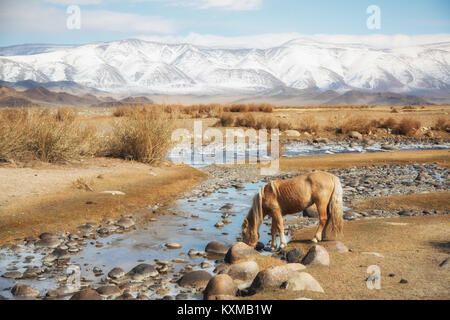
(283, 197)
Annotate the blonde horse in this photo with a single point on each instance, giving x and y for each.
(283, 197)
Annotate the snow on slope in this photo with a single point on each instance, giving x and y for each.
(183, 68)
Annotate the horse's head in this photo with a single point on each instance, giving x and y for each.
(250, 234)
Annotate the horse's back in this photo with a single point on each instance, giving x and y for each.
(300, 192)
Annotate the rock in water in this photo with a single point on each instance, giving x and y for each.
(116, 273)
(219, 287)
(24, 290)
(216, 247)
(195, 279)
(173, 245)
(317, 255)
(87, 294)
(143, 271)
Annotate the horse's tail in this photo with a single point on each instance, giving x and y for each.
(334, 209)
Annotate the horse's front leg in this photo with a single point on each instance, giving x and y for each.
(278, 227)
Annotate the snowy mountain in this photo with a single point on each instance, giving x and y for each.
(143, 66)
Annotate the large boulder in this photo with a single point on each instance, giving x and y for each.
(317, 255)
(294, 255)
(219, 288)
(245, 271)
(302, 281)
(216, 247)
(334, 246)
(24, 290)
(196, 279)
(275, 276)
(87, 294)
(239, 251)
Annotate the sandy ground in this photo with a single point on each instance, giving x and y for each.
(412, 249)
(325, 162)
(48, 198)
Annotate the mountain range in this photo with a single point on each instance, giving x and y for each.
(298, 68)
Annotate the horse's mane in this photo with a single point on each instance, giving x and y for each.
(255, 215)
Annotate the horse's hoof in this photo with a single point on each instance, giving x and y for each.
(283, 245)
(314, 240)
(273, 249)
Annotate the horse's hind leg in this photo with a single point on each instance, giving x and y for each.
(323, 217)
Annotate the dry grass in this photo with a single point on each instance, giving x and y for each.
(43, 135)
(308, 124)
(144, 136)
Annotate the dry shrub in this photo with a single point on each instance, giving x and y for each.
(408, 127)
(394, 110)
(247, 120)
(267, 122)
(442, 124)
(284, 125)
(359, 124)
(143, 136)
(267, 108)
(390, 123)
(308, 124)
(226, 120)
(39, 134)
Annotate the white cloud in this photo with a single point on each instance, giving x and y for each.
(237, 5)
(17, 16)
(73, 2)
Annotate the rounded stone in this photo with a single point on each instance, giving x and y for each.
(317, 255)
(275, 276)
(143, 271)
(24, 290)
(335, 246)
(220, 285)
(303, 281)
(109, 291)
(238, 252)
(196, 279)
(216, 247)
(87, 294)
(12, 275)
(173, 245)
(125, 223)
(116, 273)
(244, 271)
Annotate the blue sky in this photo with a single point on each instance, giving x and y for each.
(32, 21)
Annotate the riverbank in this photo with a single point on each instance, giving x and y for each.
(58, 198)
(408, 251)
